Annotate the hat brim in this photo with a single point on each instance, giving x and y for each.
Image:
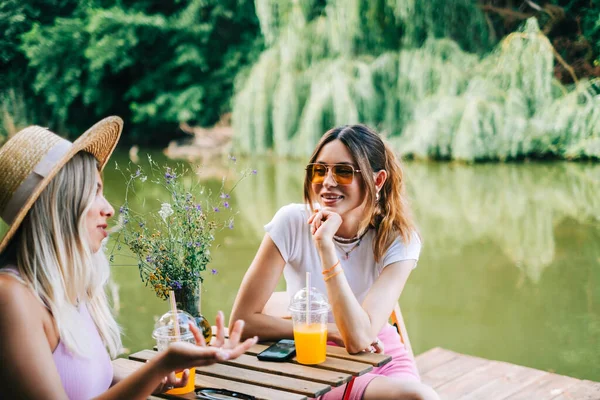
(100, 141)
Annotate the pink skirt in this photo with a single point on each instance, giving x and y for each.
(401, 366)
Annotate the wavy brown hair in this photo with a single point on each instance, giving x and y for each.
(390, 216)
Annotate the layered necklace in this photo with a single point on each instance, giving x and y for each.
(340, 241)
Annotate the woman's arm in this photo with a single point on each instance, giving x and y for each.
(358, 324)
(181, 355)
(28, 370)
(257, 286)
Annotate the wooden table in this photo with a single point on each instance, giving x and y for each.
(273, 380)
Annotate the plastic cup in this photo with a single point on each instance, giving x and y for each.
(165, 335)
(309, 317)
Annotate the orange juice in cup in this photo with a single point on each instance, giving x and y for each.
(311, 343)
(309, 309)
(166, 332)
(191, 385)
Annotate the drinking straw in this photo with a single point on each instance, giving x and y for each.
(307, 297)
(174, 313)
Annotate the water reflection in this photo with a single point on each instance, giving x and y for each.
(515, 206)
(510, 269)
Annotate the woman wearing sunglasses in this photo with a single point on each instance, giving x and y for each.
(354, 233)
(57, 331)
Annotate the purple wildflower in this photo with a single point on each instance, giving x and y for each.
(149, 259)
(197, 244)
(138, 172)
(230, 226)
(190, 244)
(226, 204)
(176, 285)
(224, 196)
(214, 271)
(121, 209)
(254, 172)
(232, 158)
(216, 209)
(125, 221)
(198, 207)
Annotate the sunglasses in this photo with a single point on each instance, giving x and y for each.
(343, 174)
(220, 394)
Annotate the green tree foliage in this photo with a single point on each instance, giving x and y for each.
(155, 63)
(427, 90)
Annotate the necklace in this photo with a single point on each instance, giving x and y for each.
(343, 241)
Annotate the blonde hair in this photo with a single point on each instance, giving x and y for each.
(390, 215)
(53, 256)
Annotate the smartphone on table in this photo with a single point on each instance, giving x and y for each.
(280, 351)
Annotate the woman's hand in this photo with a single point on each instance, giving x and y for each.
(183, 355)
(324, 224)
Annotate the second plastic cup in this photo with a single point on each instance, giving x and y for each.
(165, 334)
(310, 326)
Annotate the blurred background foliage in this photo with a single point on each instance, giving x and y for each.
(432, 76)
(154, 63)
(464, 79)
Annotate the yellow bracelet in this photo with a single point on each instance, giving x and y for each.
(328, 270)
(332, 275)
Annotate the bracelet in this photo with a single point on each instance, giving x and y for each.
(332, 275)
(328, 270)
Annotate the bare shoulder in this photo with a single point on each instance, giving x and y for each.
(15, 295)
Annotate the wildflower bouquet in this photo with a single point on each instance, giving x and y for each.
(172, 242)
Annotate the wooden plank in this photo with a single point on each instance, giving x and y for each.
(582, 390)
(240, 374)
(506, 384)
(203, 381)
(449, 371)
(331, 378)
(547, 387)
(295, 385)
(332, 364)
(466, 384)
(374, 359)
(434, 358)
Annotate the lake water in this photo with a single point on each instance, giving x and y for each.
(510, 268)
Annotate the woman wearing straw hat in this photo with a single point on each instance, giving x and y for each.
(56, 328)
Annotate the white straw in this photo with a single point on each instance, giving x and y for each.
(174, 314)
(307, 298)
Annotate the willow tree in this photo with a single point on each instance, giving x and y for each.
(417, 72)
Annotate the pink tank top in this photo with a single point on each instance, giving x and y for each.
(82, 378)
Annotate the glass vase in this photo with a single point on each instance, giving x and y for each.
(189, 299)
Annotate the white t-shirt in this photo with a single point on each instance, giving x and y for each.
(290, 232)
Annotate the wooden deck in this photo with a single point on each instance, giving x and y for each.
(458, 376)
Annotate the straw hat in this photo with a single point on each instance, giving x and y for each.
(31, 158)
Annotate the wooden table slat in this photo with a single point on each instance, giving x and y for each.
(203, 381)
(331, 363)
(253, 377)
(332, 378)
(295, 385)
